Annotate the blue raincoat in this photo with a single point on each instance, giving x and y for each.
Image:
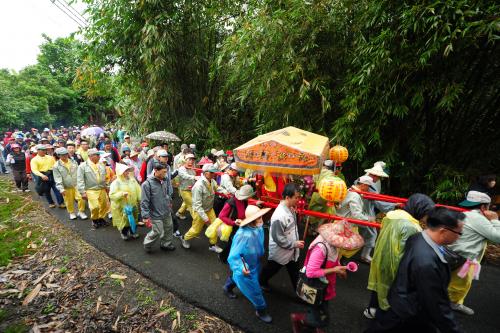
(248, 242)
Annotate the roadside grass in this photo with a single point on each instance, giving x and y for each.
(16, 237)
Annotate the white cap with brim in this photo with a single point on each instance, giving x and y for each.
(41, 147)
(188, 156)
(475, 198)
(61, 151)
(209, 168)
(245, 192)
(367, 180)
(377, 170)
(93, 151)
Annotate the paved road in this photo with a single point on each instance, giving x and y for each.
(197, 276)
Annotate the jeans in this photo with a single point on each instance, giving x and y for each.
(2, 165)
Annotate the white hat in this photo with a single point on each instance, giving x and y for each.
(475, 198)
(377, 170)
(213, 151)
(61, 151)
(184, 146)
(126, 136)
(121, 168)
(162, 153)
(367, 180)
(244, 192)
(328, 163)
(189, 156)
(192, 145)
(233, 166)
(209, 168)
(93, 151)
(105, 155)
(46, 129)
(220, 153)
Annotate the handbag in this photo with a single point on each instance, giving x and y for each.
(454, 259)
(312, 290)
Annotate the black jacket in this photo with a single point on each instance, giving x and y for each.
(420, 290)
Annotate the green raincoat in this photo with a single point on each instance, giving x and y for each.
(397, 227)
(116, 195)
(317, 203)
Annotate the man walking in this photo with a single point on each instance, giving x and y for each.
(284, 243)
(418, 298)
(203, 193)
(156, 208)
(65, 176)
(91, 183)
(41, 167)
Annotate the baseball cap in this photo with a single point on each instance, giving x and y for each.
(162, 153)
(93, 151)
(209, 168)
(475, 198)
(61, 151)
(367, 180)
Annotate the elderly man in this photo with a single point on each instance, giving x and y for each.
(187, 178)
(179, 159)
(353, 206)
(203, 202)
(41, 167)
(418, 297)
(92, 185)
(481, 226)
(156, 208)
(65, 176)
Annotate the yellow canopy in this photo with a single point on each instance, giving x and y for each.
(288, 151)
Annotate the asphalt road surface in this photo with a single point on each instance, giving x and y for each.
(197, 276)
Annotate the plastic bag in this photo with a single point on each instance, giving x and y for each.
(212, 228)
(224, 232)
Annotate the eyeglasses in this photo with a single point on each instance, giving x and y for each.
(455, 232)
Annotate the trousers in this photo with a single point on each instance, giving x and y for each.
(98, 203)
(70, 195)
(20, 178)
(187, 202)
(198, 224)
(162, 229)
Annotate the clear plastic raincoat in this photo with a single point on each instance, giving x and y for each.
(397, 227)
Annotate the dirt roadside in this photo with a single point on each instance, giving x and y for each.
(60, 283)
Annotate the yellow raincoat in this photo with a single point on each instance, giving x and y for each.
(397, 227)
(116, 194)
(317, 203)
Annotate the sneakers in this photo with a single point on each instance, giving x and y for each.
(72, 216)
(229, 293)
(62, 206)
(177, 234)
(26, 190)
(215, 248)
(135, 236)
(124, 237)
(462, 309)
(110, 216)
(82, 215)
(52, 206)
(168, 248)
(370, 313)
(185, 244)
(179, 215)
(140, 223)
(264, 316)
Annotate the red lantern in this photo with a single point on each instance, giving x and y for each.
(339, 154)
(332, 189)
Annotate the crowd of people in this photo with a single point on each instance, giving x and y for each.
(422, 260)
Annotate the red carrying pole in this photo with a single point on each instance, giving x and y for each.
(389, 198)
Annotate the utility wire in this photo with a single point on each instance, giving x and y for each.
(75, 13)
(67, 14)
